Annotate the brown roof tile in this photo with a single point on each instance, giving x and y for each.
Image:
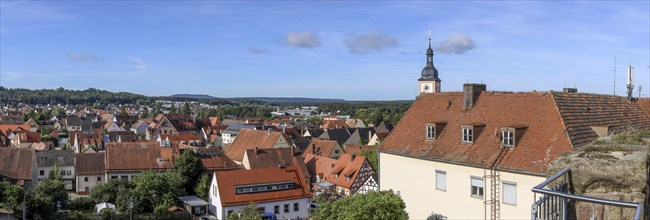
(250, 139)
(137, 156)
(16, 163)
(89, 164)
(322, 147)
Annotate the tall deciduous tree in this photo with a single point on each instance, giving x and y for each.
(203, 187)
(10, 195)
(43, 198)
(372, 205)
(189, 167)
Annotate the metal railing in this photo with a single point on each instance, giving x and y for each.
(553, 203)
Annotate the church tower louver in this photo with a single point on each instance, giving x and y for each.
(429, 81)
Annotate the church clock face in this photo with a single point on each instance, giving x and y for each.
(427, 87)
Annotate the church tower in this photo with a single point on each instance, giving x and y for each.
(429, 81)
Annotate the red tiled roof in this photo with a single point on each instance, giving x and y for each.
(356, 149)
(16, 163)
(541, 142)
(268, 158)
(317, 165)
(137, 156)
(227, 185)
(554, 123)
(214, 159)
(323, 147)
(250, 139)
(89, 164)
(334, 124)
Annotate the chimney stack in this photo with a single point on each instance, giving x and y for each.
(256, 148)
(570, 90)
(353, 156)
(313, 149)
(471, 92)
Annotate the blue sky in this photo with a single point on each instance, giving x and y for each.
(350, 50)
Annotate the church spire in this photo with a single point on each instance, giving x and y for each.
(429, 72)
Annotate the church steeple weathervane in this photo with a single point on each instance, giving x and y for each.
(429, 81)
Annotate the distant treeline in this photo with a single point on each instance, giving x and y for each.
(368, 111)
(94, 96)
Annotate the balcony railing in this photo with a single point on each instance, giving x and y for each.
(557, 193)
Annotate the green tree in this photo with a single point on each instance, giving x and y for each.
(186, 108)
(249, 212)
(116, 191)
(190, 168)
(203, 187)
(371, 156)
(154, 192)
(42, 199)
(10, 195)
(372, 205)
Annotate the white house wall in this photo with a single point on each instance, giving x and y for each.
(92, 182)
(415, 181)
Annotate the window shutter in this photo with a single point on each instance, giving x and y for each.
(441, 180)
(510, 193)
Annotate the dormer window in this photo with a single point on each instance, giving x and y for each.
(336, 176)
(430, 130)
(467, 134)
(347, 178)
(508, 137)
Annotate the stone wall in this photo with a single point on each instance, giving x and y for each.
(614, 167)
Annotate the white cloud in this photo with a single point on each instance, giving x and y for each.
(256, 50)
(302, 39)
(369, 42)
(458, 43)
(83, 57)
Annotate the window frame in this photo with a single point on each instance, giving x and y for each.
(286, 208)
(296, 207)
(445, 182)
(503, 195)
(508, 137)
(480, 190)
(467, 137)
(430, 131)
(276, 209)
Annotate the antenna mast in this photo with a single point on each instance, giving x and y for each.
(630, 81)
(614, 74)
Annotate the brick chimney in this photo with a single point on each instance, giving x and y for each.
(471, 92)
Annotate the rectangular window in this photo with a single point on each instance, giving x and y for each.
(276, 209)
(296, 207)
(347, 178)
(467, 135)
(286, 208)
(99, 179)
(510, 193)
(508, 138)
(86, 189)
(86, 179)
(477, 186)
(431, 131)
(229, 212)
(41, 172)
(441, 180)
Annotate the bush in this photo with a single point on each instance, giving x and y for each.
(82, 203)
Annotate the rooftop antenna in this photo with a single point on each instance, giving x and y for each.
(639, 95)
(614, 74)
(630, 81)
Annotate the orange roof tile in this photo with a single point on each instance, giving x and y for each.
(250, 139)
(227, 185)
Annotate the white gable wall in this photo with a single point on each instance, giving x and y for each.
(415, 181)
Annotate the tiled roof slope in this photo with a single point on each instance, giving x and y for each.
(644, 103)
(137, 156)
(16, 163)
(227, 185)
(249, 139)
(580, 111)
(89, 164)
(541, 142)
(267, 158)
(322, 147)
